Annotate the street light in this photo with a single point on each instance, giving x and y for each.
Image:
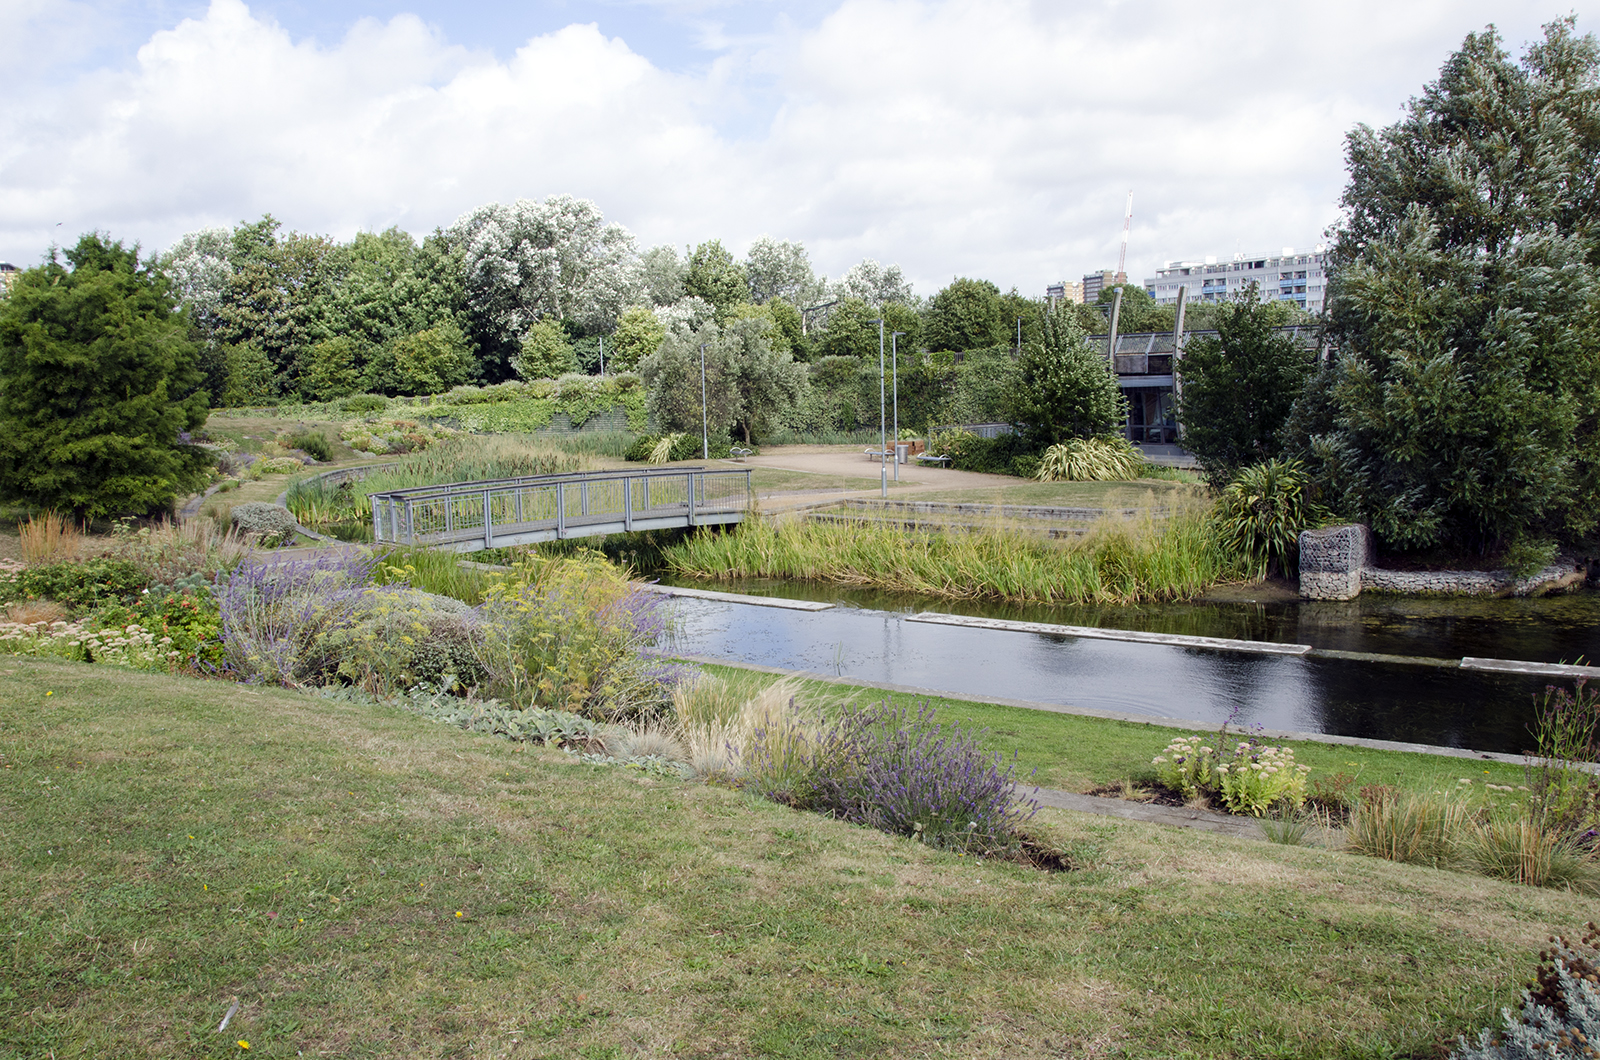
(883, 425)
(705, 439)
(894, 362)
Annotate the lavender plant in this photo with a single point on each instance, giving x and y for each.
(276, 617)
(904, 773)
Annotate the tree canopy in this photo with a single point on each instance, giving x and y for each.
(99, 386)
(1062, 388)
(966, 315)
(1238, 386)
(1464, 405)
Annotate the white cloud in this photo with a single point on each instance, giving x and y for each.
(995, 139)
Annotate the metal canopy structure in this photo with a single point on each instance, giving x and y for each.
(468, 516)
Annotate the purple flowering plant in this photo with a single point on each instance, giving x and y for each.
(276, 616)
(904, 773)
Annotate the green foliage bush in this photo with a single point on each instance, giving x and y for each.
(269, 524)
(565, 632)
(995, 456)
(399, 637)
(363, 403)
(313, 443)
(684, 446)
(77, 585)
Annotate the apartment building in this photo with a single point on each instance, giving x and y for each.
(1300, 277)
(8, 275)
(1095, 282)
(1064, 291)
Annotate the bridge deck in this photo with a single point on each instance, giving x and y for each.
(467, 516)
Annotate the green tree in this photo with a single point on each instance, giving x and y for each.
(672, 379)
(432, 361)
(1237, 388)
(329, 370)
(248, 377)
(966, 315)
(852, 333)
(1140, 312)
(546, 353)
(1464, 405)
(1016, 307)
(714, 276)
(768, 381)
(98, 387)
(638, 335)
(1062, 388)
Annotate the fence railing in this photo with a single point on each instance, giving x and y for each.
(466, 516)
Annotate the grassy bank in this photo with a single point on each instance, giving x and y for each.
(1072, 752)
(366, 883)
(1117, 562)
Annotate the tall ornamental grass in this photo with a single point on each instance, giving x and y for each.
(1118, 562)
(49, 537)
(1111, 459)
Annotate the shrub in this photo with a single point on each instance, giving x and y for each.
(393, 435)
(397, 638)
(1566, 796)
(1560, 1013)
(277, 617)
(566, 632)
(364, 403)
(906, 774)
(275, 465)
(1262, 512)
(77, 585)
(313, 443)
(1251, 778)
(660, 448)
(1106, 459)
(1522, 851)
(268, 524)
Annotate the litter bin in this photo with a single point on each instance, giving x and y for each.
(900, 450)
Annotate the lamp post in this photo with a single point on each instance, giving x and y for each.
(705, 440)
(894, 366)
(883, 420)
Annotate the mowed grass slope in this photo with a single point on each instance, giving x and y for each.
(367, 883)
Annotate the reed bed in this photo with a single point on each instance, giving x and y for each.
(469, 458)
(1117, 562)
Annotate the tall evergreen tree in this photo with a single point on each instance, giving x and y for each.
(1464, 406)
(98, 387)
(1062, 388)
(1238, 387)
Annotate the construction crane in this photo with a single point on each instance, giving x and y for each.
(1127, 223)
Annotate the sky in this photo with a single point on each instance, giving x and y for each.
(996, 139)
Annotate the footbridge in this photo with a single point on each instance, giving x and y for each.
(467, 516)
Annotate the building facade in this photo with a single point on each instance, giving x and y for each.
(1143, 363)
(8, 275)
(1290, 276)
(1095, 282)
(1064, 291)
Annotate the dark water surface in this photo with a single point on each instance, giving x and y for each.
(866, 637)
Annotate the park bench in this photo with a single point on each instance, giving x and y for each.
(929, 458)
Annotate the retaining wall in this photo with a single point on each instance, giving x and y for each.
(1335, 564)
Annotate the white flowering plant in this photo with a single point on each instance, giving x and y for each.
(1251, 778)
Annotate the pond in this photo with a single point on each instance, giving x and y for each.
(866, 635)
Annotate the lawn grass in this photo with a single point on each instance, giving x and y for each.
(784, 480)
(1078, 753)
(366, 883)
(1141, 493)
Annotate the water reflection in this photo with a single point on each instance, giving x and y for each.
(1385, 701)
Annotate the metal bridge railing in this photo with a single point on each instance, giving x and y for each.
(546, 507)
